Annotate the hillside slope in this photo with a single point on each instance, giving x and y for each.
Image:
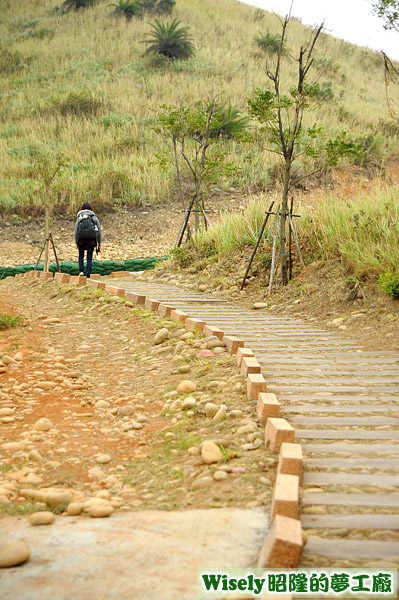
(81, 79)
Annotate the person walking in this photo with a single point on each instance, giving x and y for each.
(87, 236)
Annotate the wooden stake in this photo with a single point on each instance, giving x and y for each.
(257, 244)
(274, 250)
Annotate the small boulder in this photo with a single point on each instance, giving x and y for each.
(188, 403)
(43, 424)
(186, 386)
(162, 335)
(100, 510)
(42, 518)
(14, 554)
(211, 409)
(210, 452)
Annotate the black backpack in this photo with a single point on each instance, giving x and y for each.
(87, 229)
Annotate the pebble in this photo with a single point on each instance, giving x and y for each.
(74, 508)
(14, 554)
(42, 518)
(102, 404)
(35, 455)
(187, 336)
(103, 459)
(162, 335)
(125, 411)
(43, 424)
(220, 475)
(236, 414)
(205, 353)
(259, 305)
(218, 350)
(100, 510)
(7, 360)
(201, 482)
(210, 452)
(188, 403)
(220, 414)
(186, 386)
(211, 409)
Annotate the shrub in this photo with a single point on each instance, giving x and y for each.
(183, 256)
(158, 7)
(115, 120)
(7, 321)
(78, 102)
(127, 9)
(170, 40)
(389, 283)
(10, 61)
(268, 42)
(75, 5)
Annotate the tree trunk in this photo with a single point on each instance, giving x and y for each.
(284, 211)
(47, 230)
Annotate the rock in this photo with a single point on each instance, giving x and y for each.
(102, 404)
(218, 351)
(249, 428)
(57, 497)
(205, 353)
(103, 459)
(74, 508)
(43, 424)
(42, 518)
(5, 412)
(35, 455)
(220, 414)
(236, 414)
(259, 305)
(188, 403)
(220, 475)
(215, 343)
(201, 482)
(162, 335)
(7, 360)
(211, 409)
(186, 386)
(14, 554)
(194, 451)
(211, 453)
(125, 411)
(187, 336)
(46, 385)
(18, 356)
(337, 322)
(184, 369)
(100, 510)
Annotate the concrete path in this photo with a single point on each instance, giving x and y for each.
(144, 555)
(344, 404)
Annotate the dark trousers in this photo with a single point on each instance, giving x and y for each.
(89, 247)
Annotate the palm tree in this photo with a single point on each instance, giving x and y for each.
(170, 40)
(127, 8)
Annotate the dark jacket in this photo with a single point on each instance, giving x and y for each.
(90, 213)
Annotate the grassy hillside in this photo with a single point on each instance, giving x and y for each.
(81, 79)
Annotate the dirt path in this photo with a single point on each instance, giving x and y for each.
(90, 415)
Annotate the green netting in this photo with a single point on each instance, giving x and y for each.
(102, 267)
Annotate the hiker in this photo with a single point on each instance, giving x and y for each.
(87, 236)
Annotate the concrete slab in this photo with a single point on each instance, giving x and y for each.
(142, 555)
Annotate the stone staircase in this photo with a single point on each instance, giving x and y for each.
(344, 404)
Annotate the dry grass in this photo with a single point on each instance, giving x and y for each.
(81, 79)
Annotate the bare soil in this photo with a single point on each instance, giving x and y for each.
(94, 347)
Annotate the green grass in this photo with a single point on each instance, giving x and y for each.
(81, 78)
(8, 321)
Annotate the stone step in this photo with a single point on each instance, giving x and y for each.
(325, 408)
(352, 549)
(385, 464)
(341, 499)
(350, 521)
(334, 421)
(339, 389)
(345, 434)
(357, 479)
(304, 379)
(350, 448)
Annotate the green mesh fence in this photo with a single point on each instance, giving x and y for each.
(102, 267)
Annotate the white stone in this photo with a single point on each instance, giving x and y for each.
(210, 452)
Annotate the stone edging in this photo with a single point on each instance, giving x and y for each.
(283, 544)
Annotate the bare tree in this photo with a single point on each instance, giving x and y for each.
(282, 114)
